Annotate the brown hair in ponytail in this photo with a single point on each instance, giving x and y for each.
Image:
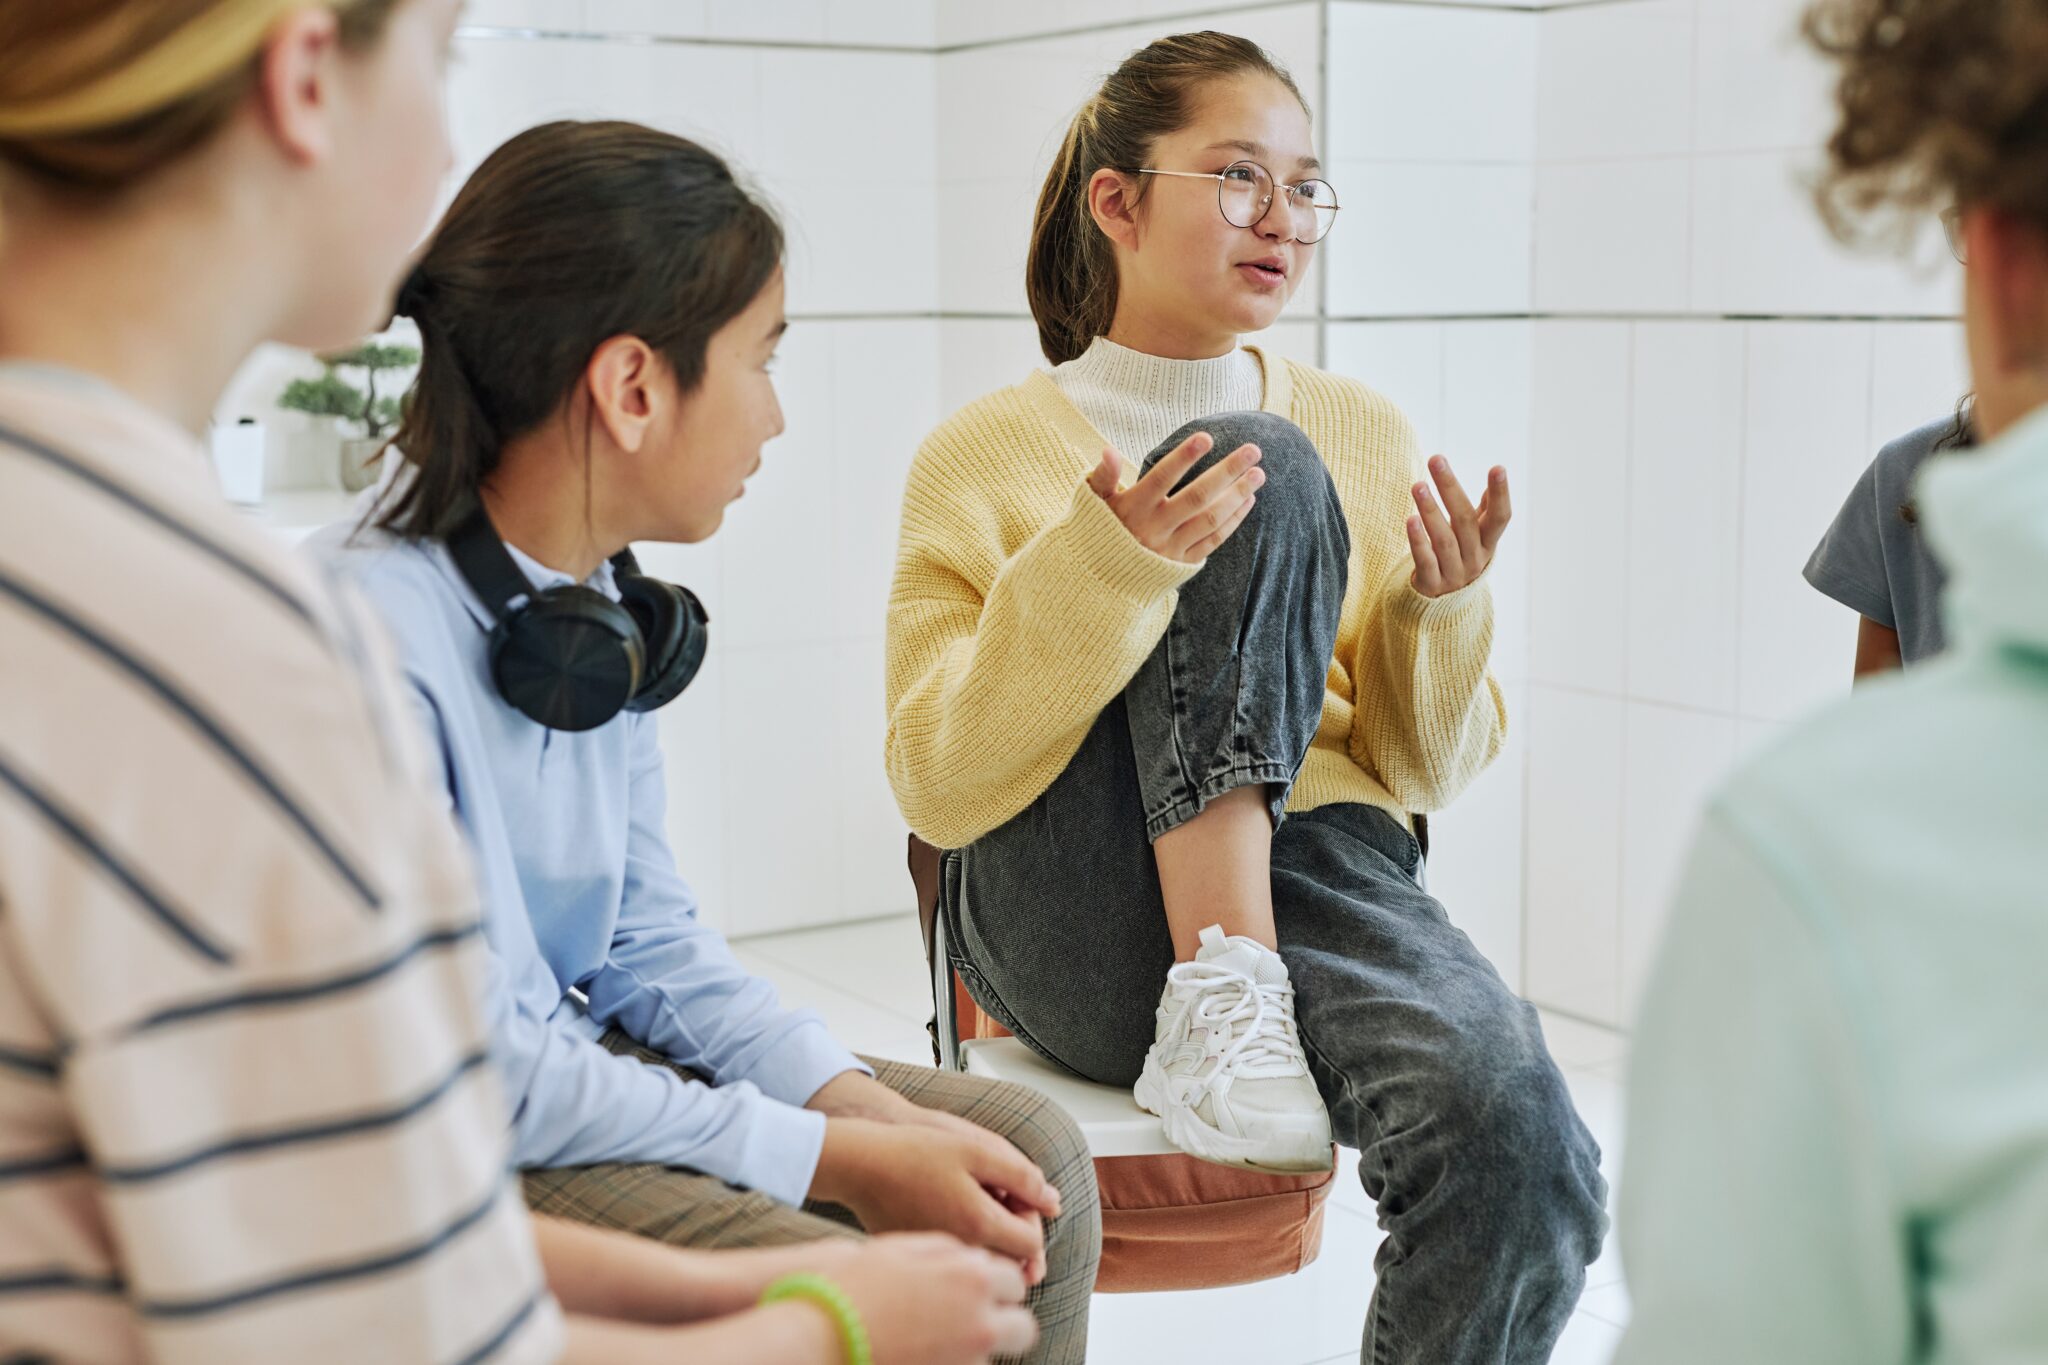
(568, 235)
(1070, 274)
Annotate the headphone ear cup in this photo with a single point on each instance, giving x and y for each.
(571, 659)
(673, 624)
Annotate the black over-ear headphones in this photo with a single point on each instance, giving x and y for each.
(569, 657)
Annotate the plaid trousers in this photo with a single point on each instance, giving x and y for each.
(687, 1208)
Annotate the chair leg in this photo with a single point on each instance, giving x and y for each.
(946, 1017)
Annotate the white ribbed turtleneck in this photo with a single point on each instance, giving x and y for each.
(1138, 400)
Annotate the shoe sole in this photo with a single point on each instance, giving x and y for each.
(1186, 1131)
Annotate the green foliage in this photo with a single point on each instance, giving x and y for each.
(327, 396)
(373, 356)
(363, 409)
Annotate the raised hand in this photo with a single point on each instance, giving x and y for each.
(1454, 542)
(1189, 524)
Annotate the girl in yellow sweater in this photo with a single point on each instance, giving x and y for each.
(1172, 723)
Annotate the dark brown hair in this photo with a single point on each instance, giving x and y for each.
(1070, 274)
(565, 237)
(88, 104)
(1941, 102)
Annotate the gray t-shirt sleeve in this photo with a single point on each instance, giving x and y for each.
(1848, 564)
(1874, 560)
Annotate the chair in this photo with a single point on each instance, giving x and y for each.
(1169, 1221)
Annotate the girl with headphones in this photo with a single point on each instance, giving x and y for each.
(599, 311)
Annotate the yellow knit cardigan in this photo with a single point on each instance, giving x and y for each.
(1022, 606)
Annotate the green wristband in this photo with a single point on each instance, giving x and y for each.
(853, 1333)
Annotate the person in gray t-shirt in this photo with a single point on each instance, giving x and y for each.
(1874, 561)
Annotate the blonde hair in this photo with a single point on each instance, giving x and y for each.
(97, 94)
(1070, 272)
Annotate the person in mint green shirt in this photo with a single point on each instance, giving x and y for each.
(1838, 1115)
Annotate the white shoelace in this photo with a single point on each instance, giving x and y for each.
(1226, 998)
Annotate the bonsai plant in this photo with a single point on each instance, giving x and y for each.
(365, 416)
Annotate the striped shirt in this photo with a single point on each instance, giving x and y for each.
(245, 1107)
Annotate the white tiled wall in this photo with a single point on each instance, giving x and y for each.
(1711, 374)
(1575, 242)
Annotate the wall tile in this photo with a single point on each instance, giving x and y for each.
(909, 23)
(784, 801)
(661, 18)
(1006, 110)
(552, 16)
(866, 115)
(984, 232)
(885, 401)
(1615, 81)
(794, 21)
(1611, 237)
(980, 355)
(1571, 951)
(872, 878)
(1760, 87)
(1759, 248)
(1674, 761)
(1489, 408)
(1919, 372)
(1805, 444)
(1403, 361)
(1476, 851)
(776, 541)
(694, 763)
(1414, 84)
(1577, 505)
(1431, 240)
(1684, 510)
(846, 255)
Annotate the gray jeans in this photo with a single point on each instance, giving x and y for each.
(1488, 1184)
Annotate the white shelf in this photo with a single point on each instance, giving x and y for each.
(296, 513)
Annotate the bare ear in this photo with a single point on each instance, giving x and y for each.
(1112, 204)
(622, 378)
(295, 83)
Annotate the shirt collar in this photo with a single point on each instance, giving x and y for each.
(605, 580)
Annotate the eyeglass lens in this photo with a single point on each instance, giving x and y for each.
(1245, 194)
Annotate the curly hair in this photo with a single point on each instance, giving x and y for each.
(1940, 103)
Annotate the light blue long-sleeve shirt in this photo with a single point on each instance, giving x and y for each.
(581, 893)
(1838, 1103)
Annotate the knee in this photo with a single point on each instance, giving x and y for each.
(1525, 1157)
(1052, 1141)
(1293, 466)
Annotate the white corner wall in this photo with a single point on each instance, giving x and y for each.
(1574, 242)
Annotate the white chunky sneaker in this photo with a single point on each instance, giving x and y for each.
(1226, 1075)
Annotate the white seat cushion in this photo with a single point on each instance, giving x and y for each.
(1110, 1119)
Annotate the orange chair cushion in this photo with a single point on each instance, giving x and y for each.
(1176, 1222)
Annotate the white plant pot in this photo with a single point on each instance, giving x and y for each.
(360, 465)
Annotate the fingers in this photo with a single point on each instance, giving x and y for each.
(1442, 539)
(1199, 513)
(1202, 548)
(1464, 520)
(1106, 476)
(1216, 481)
(1016, 1331)
(1162, 478)
(1495, 510)
(1020, 1237)
(1005, 1279)
(1428, 579)
(999, 1165)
